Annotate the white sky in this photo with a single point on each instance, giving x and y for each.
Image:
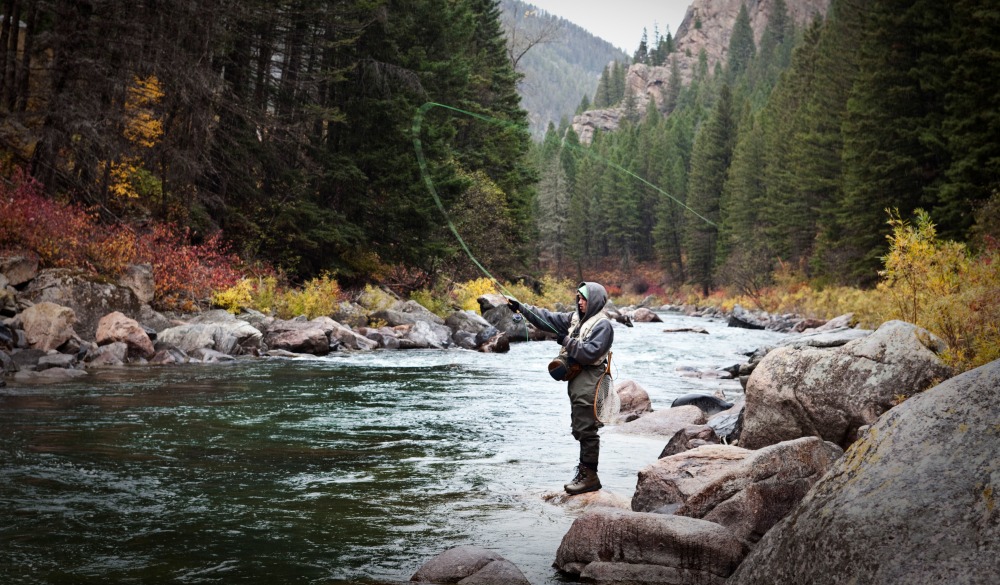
(620, 22)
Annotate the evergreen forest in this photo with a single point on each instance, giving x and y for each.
(285, 130)
(796, 152)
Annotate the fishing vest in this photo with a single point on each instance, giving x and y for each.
(585, 330)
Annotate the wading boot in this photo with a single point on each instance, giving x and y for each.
(586, 480)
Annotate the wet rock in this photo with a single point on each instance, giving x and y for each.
(664, 422)
(644, 315)
(210, 356)
(496, 344)
(468, 565)
(112, 354)
(307, 340)
(744, 319)
(49, 376)
(644, 545)
(600, 498)
(56, 360)
(667, 483)
(464, 339)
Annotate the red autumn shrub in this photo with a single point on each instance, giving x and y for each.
(68, 236)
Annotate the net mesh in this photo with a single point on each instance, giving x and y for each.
(607, 403)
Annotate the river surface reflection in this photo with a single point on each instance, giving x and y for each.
(352, 468)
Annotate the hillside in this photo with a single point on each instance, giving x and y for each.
(561, 70)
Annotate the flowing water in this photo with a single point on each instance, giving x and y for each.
(352, 468)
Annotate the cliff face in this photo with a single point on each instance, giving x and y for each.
(707, 26)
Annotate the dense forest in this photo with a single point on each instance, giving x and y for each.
(793, 151)
(286, 127)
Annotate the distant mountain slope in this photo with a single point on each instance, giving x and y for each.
(559, 72)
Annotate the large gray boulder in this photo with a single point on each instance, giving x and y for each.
(830, 393)
(913, 501)
(667, 483)
(215, 331)
(609, 545)
(664, 423)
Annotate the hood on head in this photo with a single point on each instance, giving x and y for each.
(596, 297)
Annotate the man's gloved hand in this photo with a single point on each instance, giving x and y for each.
(514, 305)
(560, 338)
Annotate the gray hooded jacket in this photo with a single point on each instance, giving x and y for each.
(585, 351)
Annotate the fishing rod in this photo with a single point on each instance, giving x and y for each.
(418, 119)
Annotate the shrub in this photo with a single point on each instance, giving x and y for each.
(434, 303)
(465, 294)
(317, 298)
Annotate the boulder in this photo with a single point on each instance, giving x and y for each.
(312, 341)
(634, 399)
(688, 438)
(425, 335)
(89, 299)
(49, 376)
(464, 339)
(469, 565)
(647, 548)
(914, 500)
(112, 354)
(667, 483)
(7, 364)
(218, 330)
(27, 359)
(662, 422)
(8, 339)
(830, 393)
(208, 355)
(467, 321)
(348, 339)
(496, 344)
(600, 498)
(408, 313)
(48, 325)
(504, 319)
(744, 319)
(117, 327)
(644, 315)
(19, 269)
(350, 314)
(249, 339)
(754, 494)
(139, 279)
(56, 360)
(728, 423)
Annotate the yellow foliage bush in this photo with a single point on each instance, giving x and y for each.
(317, 298)
(465, 293)
(436, 304)
(235, 298)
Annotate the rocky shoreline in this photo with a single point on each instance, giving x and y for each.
(862, 430)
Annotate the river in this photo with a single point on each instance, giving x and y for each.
(351, 468)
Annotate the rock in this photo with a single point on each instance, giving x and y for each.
(19, 269)
(500, 316)
(168, 356)
(27, 359)
(464, 339)
(912, 501)
(312, 341)
(408, 313)
(642, 545)
(743, 319)
(754, 494)
(249, 339)
(600, 498)
(425, 335)
(667, 483)
(153, 320)
(350, 340)
(804, 324)
(49, 376)
(634, 399)
(89, 299)
(729, 423)
(8, 339)
(496, 344)
(644, 315)
(490, 301)
(56, 360)
(351, 315)
(662, 422)
(467, 321)
(48, 325)
(208, 355)
(826, 338)
(707, 403)
(700, 330)
(139, 279)
(7, 364)
(112, 354)
(469, 565)
(218, 330)
(829, 393)
(688, 438)
(117, 327)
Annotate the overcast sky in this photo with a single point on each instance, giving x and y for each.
(620, 22)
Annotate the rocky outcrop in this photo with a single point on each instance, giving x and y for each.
(89, 298)
(470, 565)
(707, 27)
(830, 393)
(634, 547)
(663, 423)
(912, 501)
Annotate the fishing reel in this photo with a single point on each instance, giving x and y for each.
(517, 318)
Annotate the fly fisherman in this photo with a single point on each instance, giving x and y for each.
(585, 337)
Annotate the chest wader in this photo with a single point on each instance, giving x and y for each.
(581, 398)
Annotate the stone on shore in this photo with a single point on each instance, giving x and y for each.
(664, 422)
(118, 327)
(48, 325)
(469, 565)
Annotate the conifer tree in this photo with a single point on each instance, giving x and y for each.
(710, 162)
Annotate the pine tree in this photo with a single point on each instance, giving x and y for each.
(741, 45)
(710, 162)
